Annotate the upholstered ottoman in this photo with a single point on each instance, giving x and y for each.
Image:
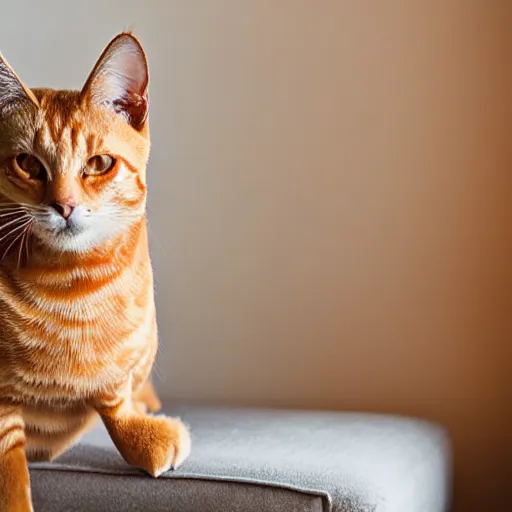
(249, 460)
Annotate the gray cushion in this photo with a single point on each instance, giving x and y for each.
(248, 460)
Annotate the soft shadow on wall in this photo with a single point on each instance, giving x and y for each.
(328, 201)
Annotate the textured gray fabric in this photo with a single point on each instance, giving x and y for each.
(263, 460)
(77, 492)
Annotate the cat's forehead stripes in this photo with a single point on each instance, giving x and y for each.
(62, 136)
(58, 109)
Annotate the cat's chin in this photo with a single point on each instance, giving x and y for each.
(72, 240)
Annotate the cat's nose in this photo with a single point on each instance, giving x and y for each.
(63, 209)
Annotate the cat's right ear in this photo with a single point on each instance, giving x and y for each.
(120, 79)
(13, 92)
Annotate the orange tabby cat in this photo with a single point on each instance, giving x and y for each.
(78, 332)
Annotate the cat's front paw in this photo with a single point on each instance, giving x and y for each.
(153, 443)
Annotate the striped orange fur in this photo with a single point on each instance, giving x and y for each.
(78, 332)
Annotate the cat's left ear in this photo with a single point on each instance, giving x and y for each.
(13, 91)
(120, 79)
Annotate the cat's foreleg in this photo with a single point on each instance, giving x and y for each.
(152, 443)
(14, 478)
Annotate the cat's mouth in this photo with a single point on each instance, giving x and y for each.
(74, 224)
(64, 233)
(68, 231)
(82, 231)
(69, 227)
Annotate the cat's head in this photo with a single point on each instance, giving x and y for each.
(73, 163)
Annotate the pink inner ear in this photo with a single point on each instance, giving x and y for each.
(120, 80)
(136, 108)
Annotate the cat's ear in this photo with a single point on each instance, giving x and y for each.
(13, 92)
(119, 80)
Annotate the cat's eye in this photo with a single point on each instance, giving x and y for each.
(29, 166)
(98, 165)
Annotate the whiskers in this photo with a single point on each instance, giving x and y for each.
(15, 229)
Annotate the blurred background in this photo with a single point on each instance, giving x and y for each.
(330, 210)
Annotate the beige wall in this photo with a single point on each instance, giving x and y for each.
(328, 201)
(507, 355)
